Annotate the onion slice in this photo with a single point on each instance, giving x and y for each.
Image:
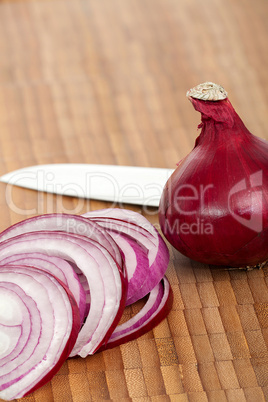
(73, 224)
(105, 281)
(36, 333)
(136, 226)
(156, 308)
(58, 267)
(136, 263)
(64, 283)
(68, 223)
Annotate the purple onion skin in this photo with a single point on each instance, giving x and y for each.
(214, 207)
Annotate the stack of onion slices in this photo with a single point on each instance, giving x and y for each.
(64, 283)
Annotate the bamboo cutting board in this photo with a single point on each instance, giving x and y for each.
(104, 81)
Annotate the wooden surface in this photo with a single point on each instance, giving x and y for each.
(104, 81)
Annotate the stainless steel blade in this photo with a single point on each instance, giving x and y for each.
(119, 184)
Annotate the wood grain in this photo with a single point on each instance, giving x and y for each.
(104, 81)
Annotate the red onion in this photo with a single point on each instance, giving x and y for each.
(214, 207)
(36, 334)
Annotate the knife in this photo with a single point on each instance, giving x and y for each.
(119, 184)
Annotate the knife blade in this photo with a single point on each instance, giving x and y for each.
(119, 184)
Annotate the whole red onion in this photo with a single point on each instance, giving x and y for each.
(214, 207)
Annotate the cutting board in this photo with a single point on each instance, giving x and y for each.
(105, 82)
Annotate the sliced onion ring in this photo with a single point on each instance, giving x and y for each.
(58, 267)
(52, 328)
(139, 228)
(74, 224)
(136, 263)
(106, 251)
(156, 308)
(104, 310)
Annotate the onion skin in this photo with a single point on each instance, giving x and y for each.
(214, 207)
